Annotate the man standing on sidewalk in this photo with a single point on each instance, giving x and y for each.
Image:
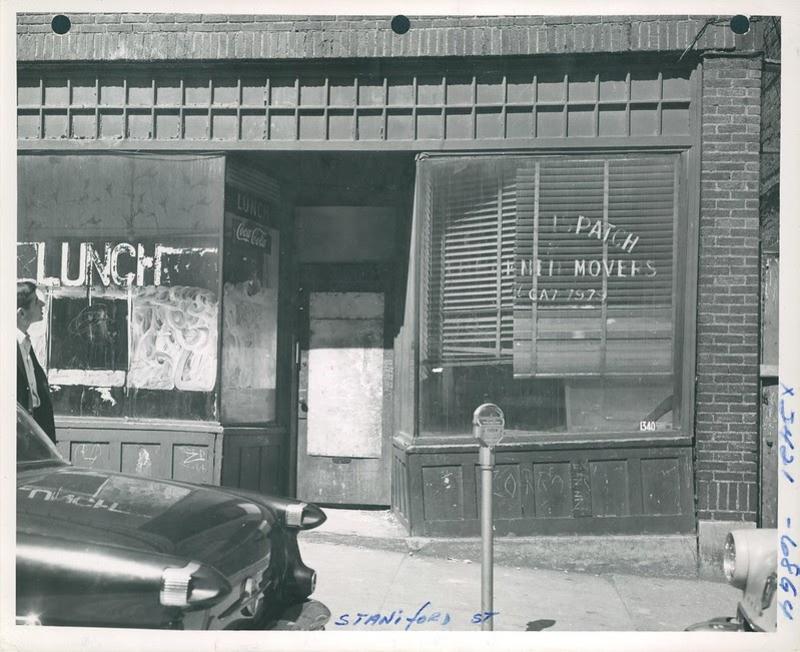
(33, 390)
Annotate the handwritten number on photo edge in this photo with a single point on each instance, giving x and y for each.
(785, 548)
(788, 608)
(788, 587)
(790, 567)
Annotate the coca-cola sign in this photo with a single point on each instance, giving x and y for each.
(252, 234)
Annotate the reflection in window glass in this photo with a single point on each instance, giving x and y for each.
(549, 287)
(125, 249)
(249, 321)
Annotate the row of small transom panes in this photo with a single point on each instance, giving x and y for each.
(361, 125)
(401, 90)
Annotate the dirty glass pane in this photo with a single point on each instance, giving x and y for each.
(250, 315)
(548, 285)
(125, 251)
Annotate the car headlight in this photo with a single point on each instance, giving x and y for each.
(735, 560)
(742, 554)
(729, 557)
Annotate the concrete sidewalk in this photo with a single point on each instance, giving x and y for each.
(372, 576)
(377, 589)
(669, 556)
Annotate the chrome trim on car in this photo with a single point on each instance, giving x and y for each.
(729, 558)
(175, 585)
(770, 587)
(294, 514)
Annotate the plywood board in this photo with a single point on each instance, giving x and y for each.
(345, 374)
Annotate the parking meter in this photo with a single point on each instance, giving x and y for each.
(488, 424)
(488, 427)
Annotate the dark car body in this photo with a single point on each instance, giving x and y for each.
(98, 548)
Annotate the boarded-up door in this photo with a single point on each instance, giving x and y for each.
(344, 381)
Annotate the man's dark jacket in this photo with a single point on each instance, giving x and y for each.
(44, 413)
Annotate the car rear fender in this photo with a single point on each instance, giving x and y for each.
(66, 581)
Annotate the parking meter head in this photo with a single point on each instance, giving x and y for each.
(488, 424)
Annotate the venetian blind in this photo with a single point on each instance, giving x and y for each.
(594, 266)
(561, 265)
(470, 249)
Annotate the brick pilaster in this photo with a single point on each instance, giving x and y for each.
(728, 296)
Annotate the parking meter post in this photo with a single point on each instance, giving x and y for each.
(486, 461)
(488, 425)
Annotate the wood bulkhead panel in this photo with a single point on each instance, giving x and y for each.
(612, 491)
(189, 456)
(255, 460)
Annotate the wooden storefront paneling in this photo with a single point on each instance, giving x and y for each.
(151, 450)
(400, 487)
(255, 459)
(623, 490)
(550, 485)
(385, 105)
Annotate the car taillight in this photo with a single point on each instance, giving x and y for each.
(303, 516)
(192, 586)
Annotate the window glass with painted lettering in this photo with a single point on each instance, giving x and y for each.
(549, 288)
(126, 250)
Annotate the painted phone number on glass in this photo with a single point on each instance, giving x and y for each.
(572, 294)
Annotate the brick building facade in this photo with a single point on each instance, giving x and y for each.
(143, 37)
(728, 315)
(347, 96)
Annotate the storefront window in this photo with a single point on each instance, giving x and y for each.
(126, 251)
(549, 287)
(250, 310)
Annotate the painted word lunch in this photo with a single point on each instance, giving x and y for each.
(119, 264)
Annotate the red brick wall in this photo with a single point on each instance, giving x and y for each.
(728, 297)
(210, 36)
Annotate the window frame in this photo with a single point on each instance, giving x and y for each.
(684, 299)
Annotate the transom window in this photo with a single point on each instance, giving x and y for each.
(385, 101)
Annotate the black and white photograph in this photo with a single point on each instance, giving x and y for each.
(437, 327)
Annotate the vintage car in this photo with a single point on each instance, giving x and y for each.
(97, 548)
(749, 562)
